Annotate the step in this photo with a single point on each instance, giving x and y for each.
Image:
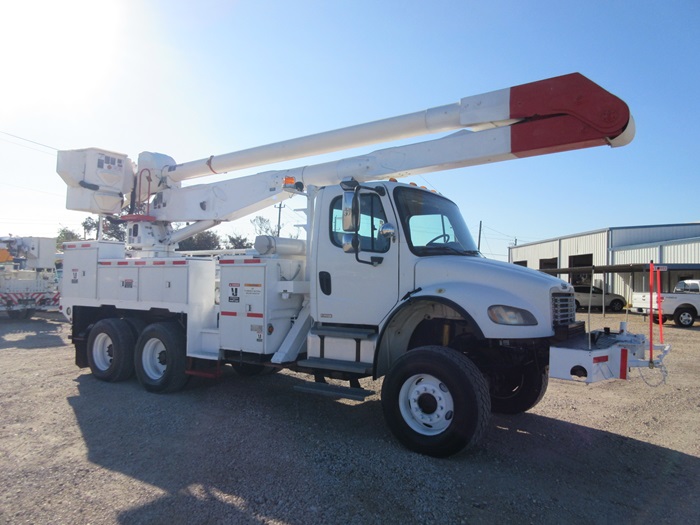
(337, 365)
(325, 389)
(343, 333)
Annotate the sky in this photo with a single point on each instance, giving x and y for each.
(194, 79)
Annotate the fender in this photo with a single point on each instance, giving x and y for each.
(400, 317)
(452, 297)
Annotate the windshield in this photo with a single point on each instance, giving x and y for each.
(433, 224)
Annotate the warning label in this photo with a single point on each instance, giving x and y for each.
(252, 289)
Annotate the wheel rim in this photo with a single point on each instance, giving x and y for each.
(426, 404)
(103, 351)
(154, 359)
(685, 318)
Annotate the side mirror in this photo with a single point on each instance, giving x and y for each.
(388, 231)
(351, 243)
(351, 211)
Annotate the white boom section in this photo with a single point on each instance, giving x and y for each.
(487, 110)
(236, 198)
(552, 115)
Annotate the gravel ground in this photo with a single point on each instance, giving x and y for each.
(252, 450)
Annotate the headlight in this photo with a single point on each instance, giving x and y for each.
(502, 314)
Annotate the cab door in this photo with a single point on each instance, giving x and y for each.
(348, 291)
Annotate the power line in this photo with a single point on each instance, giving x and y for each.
(28, 147)
(28, 140)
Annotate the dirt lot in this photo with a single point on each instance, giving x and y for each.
(252, 450)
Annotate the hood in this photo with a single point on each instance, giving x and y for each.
(478, 270)
(476, 284)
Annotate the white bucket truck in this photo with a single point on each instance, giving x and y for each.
(28, 279)
(388, 282)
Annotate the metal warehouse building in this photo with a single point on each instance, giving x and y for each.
(617, 259)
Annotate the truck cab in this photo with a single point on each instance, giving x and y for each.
(407, 272)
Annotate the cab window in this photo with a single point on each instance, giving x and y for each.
(372, 218)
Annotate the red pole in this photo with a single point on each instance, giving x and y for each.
(659, 299)
(651, 308)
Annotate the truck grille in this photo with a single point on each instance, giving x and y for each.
(563, 309)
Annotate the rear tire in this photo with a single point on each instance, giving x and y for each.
(160, 359)
(616, 305)
(684, 317)
(436, 401)
(519, 390)
(137, 325)
(110, 350)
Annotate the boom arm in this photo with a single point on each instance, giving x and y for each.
(573, 95)
(558, 114)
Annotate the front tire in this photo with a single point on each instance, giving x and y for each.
(684, 317)
(436, 401)
(519, 389)
(160, 359)
(110, 350)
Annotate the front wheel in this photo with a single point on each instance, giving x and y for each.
(436, 401)
(160, 359)
(684, 317)
(519, 389)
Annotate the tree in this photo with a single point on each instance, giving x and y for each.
(114, 229)
(262, 226)
(238, 242)
(89, 225)
(65, 235)
(206, 240)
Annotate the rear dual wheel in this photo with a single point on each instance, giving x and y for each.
(160, 359)
(111, 350)
(21, 314)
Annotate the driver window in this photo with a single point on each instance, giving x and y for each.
(372, 218)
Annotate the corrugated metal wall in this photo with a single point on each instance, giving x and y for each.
(593, 243)
(663, 244)
(532, 253)
(635, 255)
(682, 252)
(652, 234)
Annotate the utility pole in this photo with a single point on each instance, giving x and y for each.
(279, 218)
